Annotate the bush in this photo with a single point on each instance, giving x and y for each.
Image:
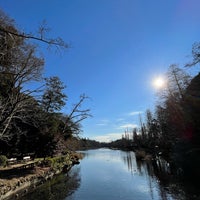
(47, 162)
(3, 161)
(54, 163)
(140, 155)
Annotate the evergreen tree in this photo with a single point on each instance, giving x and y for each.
(53, 98)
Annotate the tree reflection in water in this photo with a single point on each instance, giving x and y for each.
(58, 188)
(157, 170)
(158, 174)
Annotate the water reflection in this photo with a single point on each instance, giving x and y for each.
(156, 172)
(103, 154)
(58, 188)
(107, 173)
(130, 160)
(159, 171)
(113, 174)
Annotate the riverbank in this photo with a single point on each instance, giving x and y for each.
(15, 183)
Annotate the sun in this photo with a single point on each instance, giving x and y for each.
(159, 82)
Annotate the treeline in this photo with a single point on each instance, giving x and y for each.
(30, 119)
(77, 143)
(173, 128)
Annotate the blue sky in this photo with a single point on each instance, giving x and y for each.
(118, 48)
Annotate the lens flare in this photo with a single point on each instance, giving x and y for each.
(159, 82)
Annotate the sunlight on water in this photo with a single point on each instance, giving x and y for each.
(106, 174)
(112, 174)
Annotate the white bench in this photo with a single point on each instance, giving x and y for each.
(12, 160)
(26, 158)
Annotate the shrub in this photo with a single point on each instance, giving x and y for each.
(3, 160)
(47, 162)
(140, 155)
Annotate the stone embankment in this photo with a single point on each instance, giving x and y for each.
(18, 182)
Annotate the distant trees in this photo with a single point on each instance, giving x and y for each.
(83, 144)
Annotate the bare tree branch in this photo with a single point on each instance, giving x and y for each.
(195, 55)
(77, 115)
(57, 41)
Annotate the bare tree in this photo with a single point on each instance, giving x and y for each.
(177, 82)
(13, 97)
(40, 36)
(195, 55)
(73, 119)
(18, 66)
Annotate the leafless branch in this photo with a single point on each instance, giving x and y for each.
(57, 41)
(77, 115)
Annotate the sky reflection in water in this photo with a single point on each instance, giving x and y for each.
(113, 174)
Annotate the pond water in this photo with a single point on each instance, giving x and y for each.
(106, 174)
(115, 175)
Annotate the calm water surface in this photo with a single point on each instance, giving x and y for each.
(106, 174)
(115, 175)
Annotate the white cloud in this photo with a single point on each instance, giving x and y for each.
(124, 126)
(120, 119)
(103, 122)
(135, 113)
(107, 137)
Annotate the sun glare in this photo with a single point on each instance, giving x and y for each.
(159, 82)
